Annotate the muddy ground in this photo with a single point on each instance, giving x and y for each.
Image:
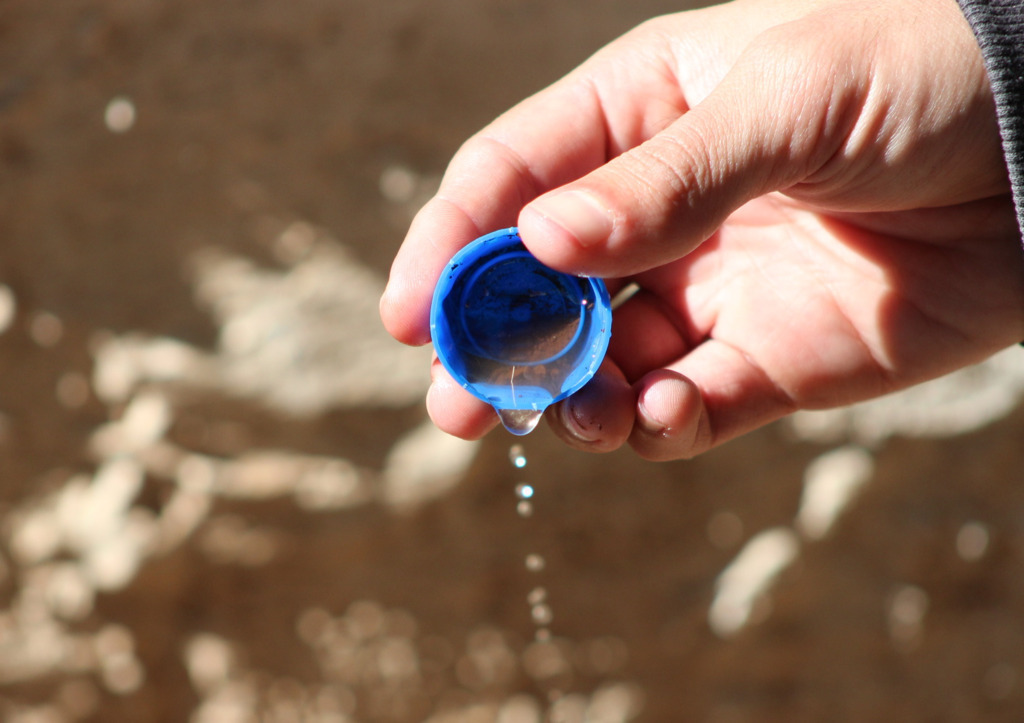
(137, 136)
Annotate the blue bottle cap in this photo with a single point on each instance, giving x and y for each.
(514, 332)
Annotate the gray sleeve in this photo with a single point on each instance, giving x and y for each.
(999, 27)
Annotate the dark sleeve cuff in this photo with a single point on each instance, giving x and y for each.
(999, 27)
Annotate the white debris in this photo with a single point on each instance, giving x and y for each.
(295, 243)
(830, 482)
(301, 340)
(957, 403)
(112, 563)
(120, 670)
(119, 115)
(332, 484)
(114, 640)
(308, 338)
(123, 675)
(209, 660)
(72, 390)
(197, 473)
(398, 184)
(972, 541)
(424, 465)
(230, 540)
(31, 648)
(748, 577)
(907, 609)
(615, 703)
(316, 482)
(36, 534)
(123, 362)
(67, 591)
(472, 713)
(8, 307)
(260, 474)
(180, 517)
(233, 702)
(46, 329)
(93, 514)
(570, 708)
(519, 709)
(144, 422)
(35, 714)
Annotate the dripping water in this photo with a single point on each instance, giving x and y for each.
(537, 599)
(524, 493)
(517, 456)
(520, 421)
(540, 610)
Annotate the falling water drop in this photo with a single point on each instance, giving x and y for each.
(535, 563)
(520, 421)
(540, 611)
(517, 456)
(524, 491)
(542, 614)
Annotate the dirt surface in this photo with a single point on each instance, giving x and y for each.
(202, 517)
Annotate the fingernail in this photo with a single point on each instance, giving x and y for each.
(575, 424)
(579, 214)
(649, 423)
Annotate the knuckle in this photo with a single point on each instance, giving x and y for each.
(659, 178)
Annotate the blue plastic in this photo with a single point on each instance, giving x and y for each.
(514, 332)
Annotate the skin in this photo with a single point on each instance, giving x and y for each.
(810, 194)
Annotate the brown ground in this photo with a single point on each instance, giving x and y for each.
(254, 114)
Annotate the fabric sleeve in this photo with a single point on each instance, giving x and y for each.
(999, 27)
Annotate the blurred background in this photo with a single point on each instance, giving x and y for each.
(221, 500)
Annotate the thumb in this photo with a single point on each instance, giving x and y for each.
(776, 116)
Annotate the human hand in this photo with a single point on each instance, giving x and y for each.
(810, 195)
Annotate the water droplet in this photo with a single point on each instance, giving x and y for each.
(542, 635)
(524, 491)
(542, 614)
(537, 596)
(517, 456)
(520, 421)
(525, 509)
(535, 563)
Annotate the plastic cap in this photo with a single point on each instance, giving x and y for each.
(514, 332)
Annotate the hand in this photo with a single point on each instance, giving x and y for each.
(810, 195)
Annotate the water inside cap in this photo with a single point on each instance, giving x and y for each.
(514, 332)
